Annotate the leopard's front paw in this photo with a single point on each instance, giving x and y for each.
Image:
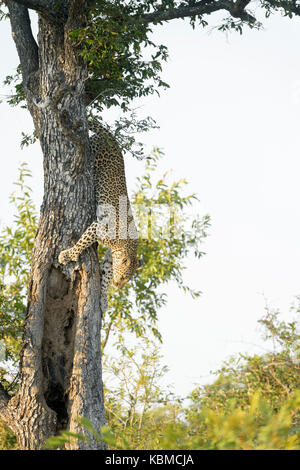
(67, 256)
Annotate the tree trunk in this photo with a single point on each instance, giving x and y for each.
(60, 368)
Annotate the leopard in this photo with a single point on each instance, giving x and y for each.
(114, 226)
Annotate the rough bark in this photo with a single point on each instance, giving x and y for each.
(60, 366)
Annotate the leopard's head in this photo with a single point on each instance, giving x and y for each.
(124, 267)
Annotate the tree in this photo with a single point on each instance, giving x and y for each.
(88, 52)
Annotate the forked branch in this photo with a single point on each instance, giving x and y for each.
(236, 9)
(25, 43)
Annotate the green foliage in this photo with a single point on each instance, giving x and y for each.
(257, 427)
(16, 243)
(138, 408)
(274, 375)
(64, 438)
(113, 47)
(241, 410)
(3, 14)
(18, 97)
(123, 61)
(135, 397)
(28, 139)
(254, 403)
(7, 439)
(141, 414)
(289, 8)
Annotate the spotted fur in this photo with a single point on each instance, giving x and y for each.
(114, 227)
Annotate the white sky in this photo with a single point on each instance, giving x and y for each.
(230, 126)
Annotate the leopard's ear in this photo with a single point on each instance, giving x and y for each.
(141, 263)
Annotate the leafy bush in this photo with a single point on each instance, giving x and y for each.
(254, 403)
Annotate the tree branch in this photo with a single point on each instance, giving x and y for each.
(205, 7)
(38, 5)
(22, 34)
(238, 11)
(289, 6)
(50, 9)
